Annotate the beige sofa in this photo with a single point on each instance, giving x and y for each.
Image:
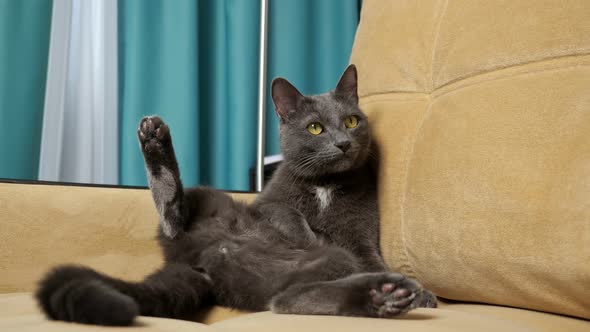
(482, 113)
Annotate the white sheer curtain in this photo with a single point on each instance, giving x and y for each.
(80, 132)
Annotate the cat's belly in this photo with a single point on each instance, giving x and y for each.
(219, 244)
(246, 263)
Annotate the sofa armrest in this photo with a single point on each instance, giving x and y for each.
(111, 229)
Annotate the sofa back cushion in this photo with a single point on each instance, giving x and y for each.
(482, 113)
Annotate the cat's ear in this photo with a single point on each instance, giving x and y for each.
(347, 85)
(285, 97)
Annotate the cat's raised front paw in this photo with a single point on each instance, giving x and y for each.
(396, 296)
(152, 133)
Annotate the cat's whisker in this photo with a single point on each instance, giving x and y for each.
(311, 161)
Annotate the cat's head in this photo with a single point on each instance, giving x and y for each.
(322, 134)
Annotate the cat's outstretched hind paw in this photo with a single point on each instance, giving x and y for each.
(395, 295)
(429, 300)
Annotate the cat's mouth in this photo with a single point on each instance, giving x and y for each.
(343, 161)
(322, 163)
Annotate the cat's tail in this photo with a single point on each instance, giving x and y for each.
(82, 295)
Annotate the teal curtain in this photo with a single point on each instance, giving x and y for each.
(24, 46)
(196, 65)
(158, 74)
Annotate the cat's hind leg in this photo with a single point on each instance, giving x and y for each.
(82, 295)
(163, 174)
(381, 294)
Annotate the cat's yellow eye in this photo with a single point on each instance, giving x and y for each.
(351, 121)
(315, 128)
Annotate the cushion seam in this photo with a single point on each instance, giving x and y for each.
(543, 70)
(435, 42)
(483, 73)
(404, 257)
(370, 102)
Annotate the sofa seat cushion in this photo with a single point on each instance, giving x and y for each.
(37, 322)
(466, 317)
(19, 312)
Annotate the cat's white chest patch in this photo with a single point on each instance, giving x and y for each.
(324, 196)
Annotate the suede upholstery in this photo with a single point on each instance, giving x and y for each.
(112, 230)
(481, 110)
(18, 313)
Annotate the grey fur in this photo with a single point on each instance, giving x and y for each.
(163, 189)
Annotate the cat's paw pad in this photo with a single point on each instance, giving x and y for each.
(152, 132)
(429, 300)
(393, 298)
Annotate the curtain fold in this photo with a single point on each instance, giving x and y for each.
(79, 141)
(196, 65)
(158, 74)
(24, 44)
(228, 46)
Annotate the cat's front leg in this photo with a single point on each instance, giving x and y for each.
(289, 222)
(163, 174)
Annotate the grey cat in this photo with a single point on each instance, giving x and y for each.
(309, 244)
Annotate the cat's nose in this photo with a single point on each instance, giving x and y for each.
(343, 145)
